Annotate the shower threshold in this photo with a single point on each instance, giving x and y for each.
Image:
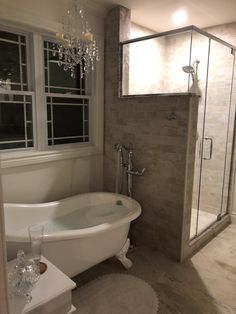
(205, 219)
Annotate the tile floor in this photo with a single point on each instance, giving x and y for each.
(204, 284)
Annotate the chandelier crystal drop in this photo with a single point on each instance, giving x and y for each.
(76, 44)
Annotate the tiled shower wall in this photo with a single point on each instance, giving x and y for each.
(162, 130)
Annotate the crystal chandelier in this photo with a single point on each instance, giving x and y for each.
(76, 44)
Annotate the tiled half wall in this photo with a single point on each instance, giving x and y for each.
(162, 130)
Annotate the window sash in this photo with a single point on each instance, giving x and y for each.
(26, 122)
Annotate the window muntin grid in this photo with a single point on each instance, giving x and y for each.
(67, 120)
(16, 121)
(57, 80)
(13, 61)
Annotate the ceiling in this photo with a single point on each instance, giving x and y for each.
(157, 14)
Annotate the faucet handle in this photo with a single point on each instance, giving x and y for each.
(142, 172)
(136, 172)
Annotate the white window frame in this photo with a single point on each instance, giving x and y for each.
(42, 152)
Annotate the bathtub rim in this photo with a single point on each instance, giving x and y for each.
(78, 233)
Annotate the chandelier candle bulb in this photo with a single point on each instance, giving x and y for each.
(88, 36)
(60, 36)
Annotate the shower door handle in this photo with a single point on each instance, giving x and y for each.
(211, 147)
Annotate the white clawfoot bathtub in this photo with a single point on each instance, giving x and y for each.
(79, 231)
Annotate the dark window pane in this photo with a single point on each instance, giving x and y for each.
(28, 98)
(24, 74)
(86, 128)
(83, 86)
(61, 78)
(46, 76)
(62, 91)
(28, 112)
(30, 144)
(49, 130)
(12, 145)
(29, 131)
(67, 120)
(17, 87)
(86, 113)
(50, 45)
(9, 62)
(60, 100)
(17, 97)
(58, 77)
(12, 122)
(49, 112)
(9, 98)
(9, 36)
(23, 54)
(22, 39)
(68, 141)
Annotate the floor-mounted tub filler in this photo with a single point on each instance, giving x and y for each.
(79, 231)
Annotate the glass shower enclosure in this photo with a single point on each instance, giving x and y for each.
(215, 133)
(190, 60)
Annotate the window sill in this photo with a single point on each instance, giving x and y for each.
(25, 158)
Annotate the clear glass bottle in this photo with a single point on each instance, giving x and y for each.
(23, 277)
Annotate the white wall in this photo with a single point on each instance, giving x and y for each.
(46, 181)
(52, 180)
(47, 14)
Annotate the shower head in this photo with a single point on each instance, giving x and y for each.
(188, 69)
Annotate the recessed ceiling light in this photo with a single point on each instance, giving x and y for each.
(179, 17)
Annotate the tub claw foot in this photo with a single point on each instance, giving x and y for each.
(121, 256)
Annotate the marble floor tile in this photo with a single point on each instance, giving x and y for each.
(203, 284)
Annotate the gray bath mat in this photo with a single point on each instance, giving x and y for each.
(117, 294)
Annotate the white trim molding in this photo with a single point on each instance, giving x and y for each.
(25, 158)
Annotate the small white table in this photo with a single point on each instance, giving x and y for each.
(51, 294)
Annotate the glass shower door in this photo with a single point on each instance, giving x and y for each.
(214, 144)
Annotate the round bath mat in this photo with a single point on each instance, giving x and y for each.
(117, 294)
